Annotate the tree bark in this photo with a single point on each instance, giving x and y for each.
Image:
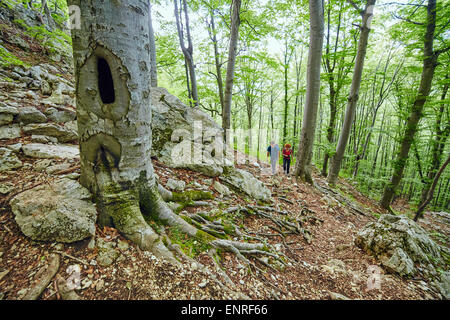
(305, 146)
(213, 37)
(234, 36)
(438, 144)
(431, 191)
(187, 51)
(429, 65)
(287, 59)
(153, 68)
(114, 117)
(336, 160)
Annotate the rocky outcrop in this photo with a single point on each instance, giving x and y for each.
(49, 151)
(62, 133)
(61, 211)
(401, 245)
(184, 137)
(8, 160)
(7, 113)
(30, 115)
(10, 132)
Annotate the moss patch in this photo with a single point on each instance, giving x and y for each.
(191, 246)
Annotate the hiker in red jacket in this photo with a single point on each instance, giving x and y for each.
(287, 153)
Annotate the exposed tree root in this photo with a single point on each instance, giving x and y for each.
(127, 209)
(44, 277)
(176, 248)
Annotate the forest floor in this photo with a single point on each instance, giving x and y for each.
(331, 264)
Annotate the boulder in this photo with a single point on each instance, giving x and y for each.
(62, 133)
(61, 211)
(244, 181)
(29, 115)
(8, 160)
(399, 244)
(188, 139)
(46, 151)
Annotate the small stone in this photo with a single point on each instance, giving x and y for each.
(99, 285)
(43, 139)
(177, 185)
(337, 296)
(203, 284)
(221, 188)
(9, 160)
(86, 283)
(123, 245)
(22, 292)
(42, 165)
(15, 147)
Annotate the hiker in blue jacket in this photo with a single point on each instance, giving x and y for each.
(274, 152)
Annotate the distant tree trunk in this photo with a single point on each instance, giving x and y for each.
(213, 37)
(287, 58)
(259, 127)
(153, 69)
(336, 160)
(298, 69)
(429, 65)
(305, 146)
(187, 51)
(331, 83)
(234, 36)
(431, 191)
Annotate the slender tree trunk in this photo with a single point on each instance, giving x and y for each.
(336, 161)
(304, 153)
(287, 58)
(234, 36)
(331, 83)
(213, 37)
(429, 65)
(298, 69)
(431, 191)
(187, 51)
(438, 144)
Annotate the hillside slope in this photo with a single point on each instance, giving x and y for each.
(38, 143)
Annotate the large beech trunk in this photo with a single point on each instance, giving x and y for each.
(112, 69)
(305, 146)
